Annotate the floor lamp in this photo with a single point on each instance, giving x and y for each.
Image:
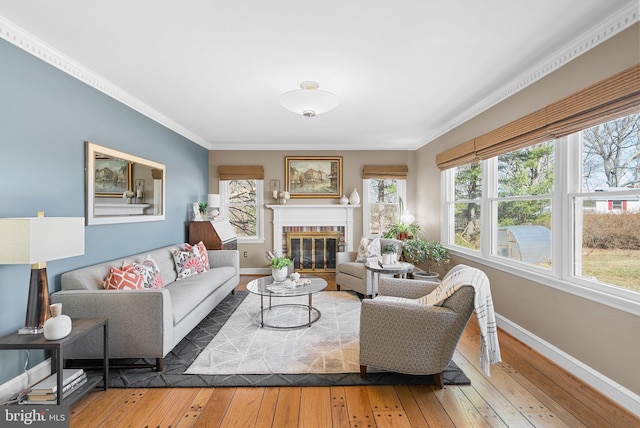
(36, 241)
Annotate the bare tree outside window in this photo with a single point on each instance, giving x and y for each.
(243, 207)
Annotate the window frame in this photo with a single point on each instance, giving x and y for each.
(258, 238)
(366, 203)
(565, 245)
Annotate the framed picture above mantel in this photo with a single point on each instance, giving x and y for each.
(313, 176)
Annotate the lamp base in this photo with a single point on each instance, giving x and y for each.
(31, 330)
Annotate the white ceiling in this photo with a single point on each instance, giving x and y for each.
(405, 71)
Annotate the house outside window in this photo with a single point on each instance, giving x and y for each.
(242, 202)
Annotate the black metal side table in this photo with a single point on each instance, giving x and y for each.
(80, 328)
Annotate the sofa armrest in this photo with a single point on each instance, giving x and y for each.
(345, 257)
(140, 321)
(226, 258)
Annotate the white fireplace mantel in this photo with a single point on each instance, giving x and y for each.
(313, 215)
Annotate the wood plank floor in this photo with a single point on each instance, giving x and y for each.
(525, 390)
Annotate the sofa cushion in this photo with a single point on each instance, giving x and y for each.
(187, 293)
(356, 269)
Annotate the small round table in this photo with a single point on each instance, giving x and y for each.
(374, 268)
(266, 286)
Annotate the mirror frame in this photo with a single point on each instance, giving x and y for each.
(92, 218)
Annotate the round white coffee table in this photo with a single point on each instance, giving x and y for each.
(266, 287)
(374, 268)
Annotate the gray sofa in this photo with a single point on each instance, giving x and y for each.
(145, 323)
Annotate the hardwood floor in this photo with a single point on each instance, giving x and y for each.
(525, 390)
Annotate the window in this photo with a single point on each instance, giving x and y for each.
(568, 209)
(381, 203)
(242, 205)
(465, 206)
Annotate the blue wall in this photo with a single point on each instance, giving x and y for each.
(45, 118)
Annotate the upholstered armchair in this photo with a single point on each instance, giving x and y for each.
(352, 275)
(408, 337)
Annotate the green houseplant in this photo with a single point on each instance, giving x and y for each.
(427, 253)
(388, 253)
(279, 268)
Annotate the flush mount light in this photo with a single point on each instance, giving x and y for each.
(309, 101)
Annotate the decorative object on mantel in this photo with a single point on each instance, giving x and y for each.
(284, 197)
(313, 176)
(35, 241)
(354, 199)
(58, 326)
(344, 200)
(309, 101)
(128, 195)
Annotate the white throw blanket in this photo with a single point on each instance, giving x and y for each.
(465, 275)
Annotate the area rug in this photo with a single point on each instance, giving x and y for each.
(205, 346)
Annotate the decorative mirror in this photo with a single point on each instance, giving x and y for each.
(122, 188)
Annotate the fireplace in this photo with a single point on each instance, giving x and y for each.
(335, 221)
(313, 251)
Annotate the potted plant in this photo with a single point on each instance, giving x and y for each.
(279, 268)
(388, 254)
(429, 254)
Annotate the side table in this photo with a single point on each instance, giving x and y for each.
(81, 327)
(374, 269)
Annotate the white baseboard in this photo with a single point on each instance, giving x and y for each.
(618, 393)
(13, 387)
(255, 271)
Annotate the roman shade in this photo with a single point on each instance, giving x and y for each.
(613, 97)
(385, 171)
(241, 172)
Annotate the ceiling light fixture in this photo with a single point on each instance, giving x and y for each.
(309, 101)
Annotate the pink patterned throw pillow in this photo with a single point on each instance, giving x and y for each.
(150, 272)
(188, 263)
(204, 256)
(125, 278)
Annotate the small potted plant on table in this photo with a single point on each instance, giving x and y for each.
(388, 254)
(279, 268)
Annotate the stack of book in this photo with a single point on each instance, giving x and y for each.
(46, 391)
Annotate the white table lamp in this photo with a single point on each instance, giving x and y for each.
(35, 241)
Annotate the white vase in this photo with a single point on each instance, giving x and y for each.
(386, 259)
(344, 200)
(58, 326)
(280, 275)
(354, 199)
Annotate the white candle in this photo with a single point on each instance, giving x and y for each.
(139, 193)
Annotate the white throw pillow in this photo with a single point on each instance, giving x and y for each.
(369, 247)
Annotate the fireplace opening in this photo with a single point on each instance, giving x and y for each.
(313, 251)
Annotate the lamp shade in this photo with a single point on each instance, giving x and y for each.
(309, 101)
(40, 239)
(213, 200)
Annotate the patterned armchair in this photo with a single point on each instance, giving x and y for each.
(409, 337)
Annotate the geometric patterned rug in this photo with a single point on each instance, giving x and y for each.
(177, 362)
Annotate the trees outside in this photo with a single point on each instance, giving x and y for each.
(242, 206)
(384, 204)
(468, 188)
(611, 154)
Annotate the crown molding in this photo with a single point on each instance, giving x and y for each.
(617, 22)
(38, 48)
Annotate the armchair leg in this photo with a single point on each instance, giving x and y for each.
(437, 378)
(363, 371)
(338, 287)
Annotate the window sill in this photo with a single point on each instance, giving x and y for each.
(585, 291)
(250, 240)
